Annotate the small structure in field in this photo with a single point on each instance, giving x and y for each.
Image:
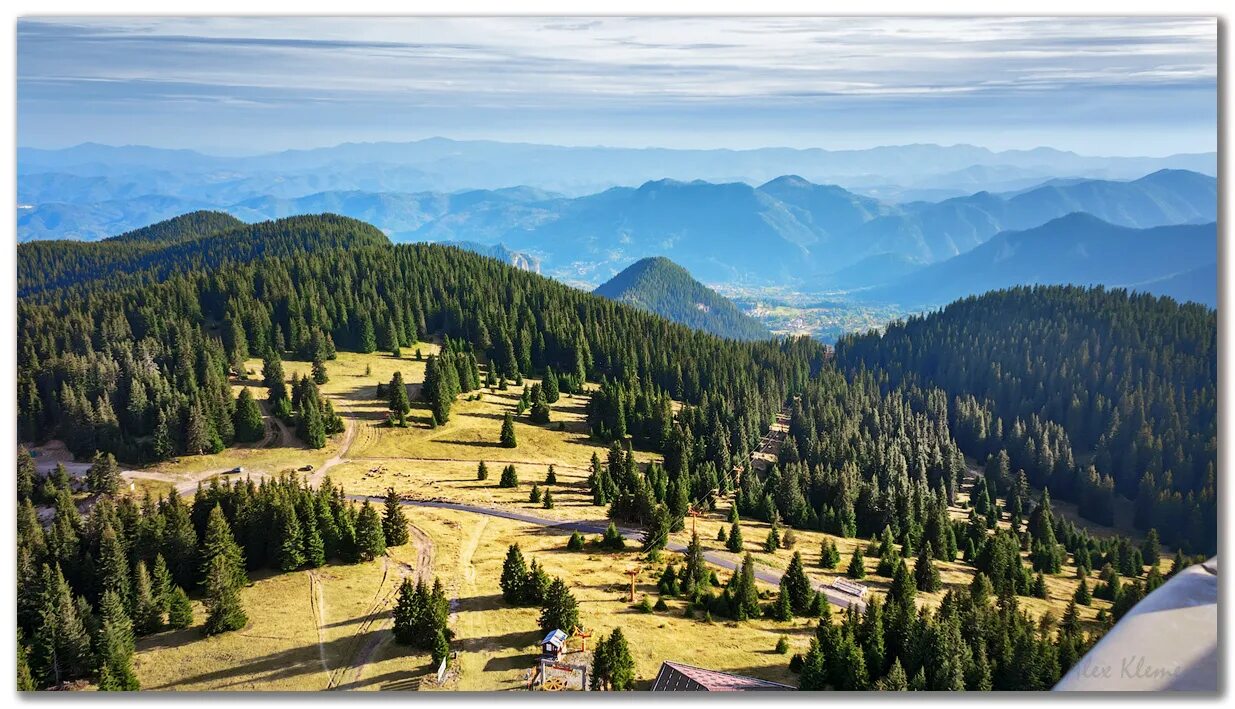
(677, 677)
(852, 588)
(552, 646)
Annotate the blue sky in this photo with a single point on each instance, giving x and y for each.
(1109, 86)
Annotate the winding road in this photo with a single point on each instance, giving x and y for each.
(835, 597)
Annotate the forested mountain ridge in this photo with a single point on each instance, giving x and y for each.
(1077, 249)
(1091, 392)
(47, 266)
(185, 227)
(660, 286)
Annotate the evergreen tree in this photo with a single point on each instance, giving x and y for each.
(224, 611)
(398, 402)
(734, 543)
(370, 538)
(115, 646)
(508, 432)
(219, 543)
(290, 538)
(247, 420)
(560, 610)
(179, 609)
(925, 575)
(407, 612)
(575, 543)
(613, 665)
(482, 472)
(548, 500)
(147, 612)
(514, 576)
(857, 568)
(320, 376)
(510, 477)
(394, 523)
(801, 593)
(104, 474)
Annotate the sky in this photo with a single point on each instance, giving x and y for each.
(1098, 86)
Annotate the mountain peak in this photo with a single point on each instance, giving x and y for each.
(658, 285)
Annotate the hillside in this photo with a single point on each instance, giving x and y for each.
(1077, 249)
(185, 227)
(660, 286)
(45, 266)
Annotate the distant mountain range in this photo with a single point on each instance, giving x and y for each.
(660, 286)
(442, 165)
(788, 230)
(1080, 249)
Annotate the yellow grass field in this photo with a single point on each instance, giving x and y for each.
(329, 628)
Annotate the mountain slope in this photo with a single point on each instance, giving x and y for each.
(515, 258)
(1076, 249)
(660, 286)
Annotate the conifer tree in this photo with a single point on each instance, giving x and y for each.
(925, 575)
(801, 593)
(247, 421)
(552, 390)
(179, 609)
(857, 568)
(612, 538)
(61, 648)
(370, 539)
(1083, 596)
(560, 610)
(548, 500)
(394, 523)
(575, 543)
(514, 575)
(147, 613)
(508, 432)
(734, 542)
(551, 478)
(104, 474)
(219, 542)
(224, 611)
(115, 646)
(510, 477)
(398, 402)
(406, 613)
(482, 472)
(320, 375)
(290, 552)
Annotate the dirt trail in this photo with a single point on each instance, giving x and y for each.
(349, 420)
(373, 632)
(318, 602)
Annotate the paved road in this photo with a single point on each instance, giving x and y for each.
(835, 597)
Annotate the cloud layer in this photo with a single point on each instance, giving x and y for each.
(1109, 85)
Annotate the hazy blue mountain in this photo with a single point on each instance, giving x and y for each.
(97, 220)
(660, 286)
(787, 230)
(717, 231)
(499, 252)
(1075, 249)
(870, 271)
(439, 164)
(1199, 285)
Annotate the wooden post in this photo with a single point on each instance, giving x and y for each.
(633, 574)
